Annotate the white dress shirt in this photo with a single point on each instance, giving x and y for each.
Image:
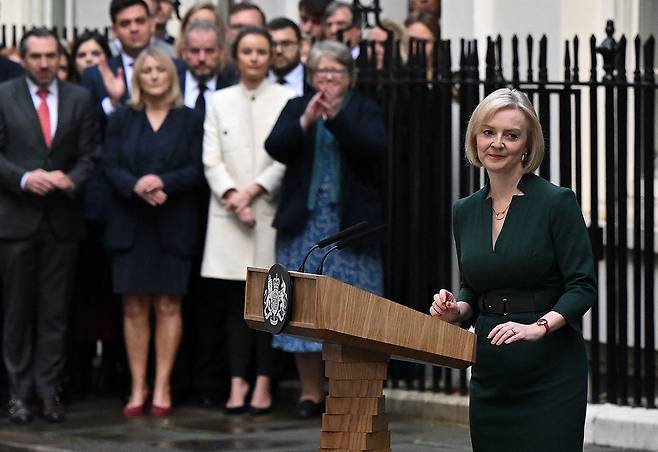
(294, 79)
(192, 89)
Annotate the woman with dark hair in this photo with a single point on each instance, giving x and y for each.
(333, 144)
(64, 68)
(88, 49)
(244, 182)
(152, 160)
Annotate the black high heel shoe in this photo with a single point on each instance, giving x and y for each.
(235, 410)
(238, 409)
(254, 411)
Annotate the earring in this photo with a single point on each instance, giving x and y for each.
(524, 157)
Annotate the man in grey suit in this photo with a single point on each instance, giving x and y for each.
(49, 142)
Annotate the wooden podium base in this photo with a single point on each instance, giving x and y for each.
(355, 418)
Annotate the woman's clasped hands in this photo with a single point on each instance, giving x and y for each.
(151, 189)
(238, 202)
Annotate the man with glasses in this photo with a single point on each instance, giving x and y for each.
(287, 68)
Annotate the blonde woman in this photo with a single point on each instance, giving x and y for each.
(152, 159)
(527, 279)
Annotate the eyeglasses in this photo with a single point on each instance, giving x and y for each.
(330, 72)
(285, 44)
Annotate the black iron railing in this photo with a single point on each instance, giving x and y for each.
(427, 112)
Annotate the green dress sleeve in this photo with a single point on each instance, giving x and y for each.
(574, 256)
(466, 293)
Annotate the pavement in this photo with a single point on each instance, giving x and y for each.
(97, 424)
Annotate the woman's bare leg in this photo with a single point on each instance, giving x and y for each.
(168, 332)
(137, 334)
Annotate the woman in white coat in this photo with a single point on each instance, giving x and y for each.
(244, 181)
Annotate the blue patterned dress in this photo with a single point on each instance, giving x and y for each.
(361, 268)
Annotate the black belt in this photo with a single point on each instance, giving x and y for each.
(503, 303)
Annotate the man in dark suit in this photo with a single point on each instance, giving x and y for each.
(287, 68)
(203, 45)
(9, 69)
(202, 352)
(110, 82)
(48, 145)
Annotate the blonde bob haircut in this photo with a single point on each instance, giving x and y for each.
(173, 95)
(502, 99)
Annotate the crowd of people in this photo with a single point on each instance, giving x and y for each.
(141, 175)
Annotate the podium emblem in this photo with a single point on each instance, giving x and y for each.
(277, 299)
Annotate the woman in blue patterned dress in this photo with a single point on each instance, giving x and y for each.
(333, 143)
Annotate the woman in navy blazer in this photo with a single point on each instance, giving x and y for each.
(333, 144)
(152, 160)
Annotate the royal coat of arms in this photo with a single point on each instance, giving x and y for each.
(277, 298)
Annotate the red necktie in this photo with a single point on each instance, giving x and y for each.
(44, 116)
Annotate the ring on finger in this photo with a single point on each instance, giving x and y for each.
(513, 332)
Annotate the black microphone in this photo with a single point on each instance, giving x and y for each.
(345, 233)
(347, 242)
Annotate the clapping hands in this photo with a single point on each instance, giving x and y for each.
(325, 104)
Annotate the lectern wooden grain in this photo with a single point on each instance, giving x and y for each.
(360, 331)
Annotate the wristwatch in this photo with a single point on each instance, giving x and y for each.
(544, 323)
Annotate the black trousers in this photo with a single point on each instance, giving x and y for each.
(37, 278)
(202, 359)
(247, 348)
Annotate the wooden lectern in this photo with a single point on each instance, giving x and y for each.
(360, 331)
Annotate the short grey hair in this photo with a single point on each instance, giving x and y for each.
(336, 51)
(202, 25)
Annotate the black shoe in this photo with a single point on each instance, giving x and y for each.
(52, 410)
(18, 412)
(259, 411)
(307, 409)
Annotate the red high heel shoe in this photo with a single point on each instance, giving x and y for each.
(137, 410)
(160, 410)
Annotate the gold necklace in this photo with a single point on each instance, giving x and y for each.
(500, 216)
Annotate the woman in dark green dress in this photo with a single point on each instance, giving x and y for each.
(527, 278)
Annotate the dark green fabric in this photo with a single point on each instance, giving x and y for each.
(527, 396)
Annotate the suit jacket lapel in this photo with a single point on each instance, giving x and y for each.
(24, 100)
